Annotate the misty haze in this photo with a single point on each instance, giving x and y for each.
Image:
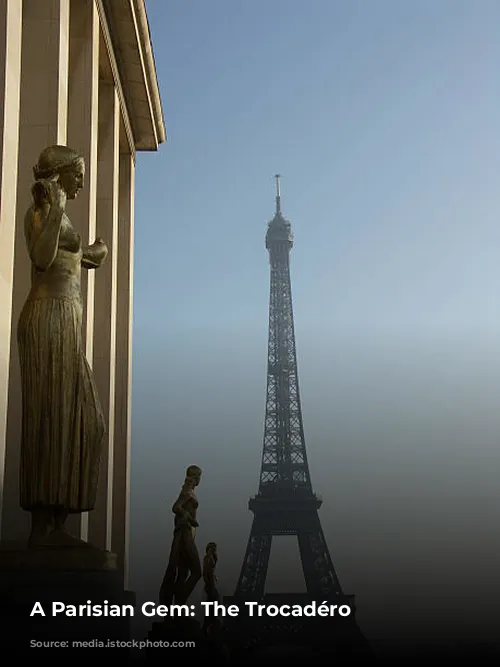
(383, 120)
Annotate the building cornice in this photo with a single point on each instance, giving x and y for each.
(132, 49)
(115, 74)
(145, 39)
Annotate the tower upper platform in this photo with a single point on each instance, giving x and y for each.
(279, 229)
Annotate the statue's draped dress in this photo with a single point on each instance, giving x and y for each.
(183, 552)
(63, 423)
(183, 544)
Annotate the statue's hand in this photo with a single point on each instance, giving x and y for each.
(194, 523)
(57, 196)
(101, 247)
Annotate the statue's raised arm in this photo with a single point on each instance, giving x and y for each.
(42, 222)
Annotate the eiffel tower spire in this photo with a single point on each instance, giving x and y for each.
(278, 194)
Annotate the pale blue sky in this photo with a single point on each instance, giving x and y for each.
(383, 119)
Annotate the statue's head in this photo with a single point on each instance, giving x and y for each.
(211, 547)
(193, 475)
(64, 165)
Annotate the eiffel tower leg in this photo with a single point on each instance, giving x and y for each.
(252, 581)
(319, 573)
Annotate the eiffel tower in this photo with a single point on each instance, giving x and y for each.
(285, 503)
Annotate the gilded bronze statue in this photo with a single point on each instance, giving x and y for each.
(184, 568)
(62, 420)
(211, 623)
(209, 576)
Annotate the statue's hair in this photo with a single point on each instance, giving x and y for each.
(193, 471)
(53, 160)
(210, 546)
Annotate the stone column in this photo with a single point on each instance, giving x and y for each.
(43, 121)
(123, 377)
(105, 293)
(83, 93)
(10, 76)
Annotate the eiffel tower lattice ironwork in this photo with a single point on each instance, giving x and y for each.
(285, 503)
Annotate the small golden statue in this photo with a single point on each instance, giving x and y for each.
(209, 576)
(184, 568)
(212, 624)
(63, 424)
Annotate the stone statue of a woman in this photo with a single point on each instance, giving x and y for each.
(62, 420)
(184, 567)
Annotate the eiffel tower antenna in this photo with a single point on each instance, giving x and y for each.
(278, 194)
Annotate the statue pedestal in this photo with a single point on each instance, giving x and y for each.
(185, 634)
(69, 575)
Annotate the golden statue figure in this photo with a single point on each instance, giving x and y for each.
(184, 568)
(212, 623)
(62, 420)
(209, 576)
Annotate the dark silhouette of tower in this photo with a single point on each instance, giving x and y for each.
(285, 503)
